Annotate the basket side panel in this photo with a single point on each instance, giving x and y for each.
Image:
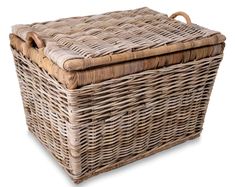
(120, 119)
(46, 108)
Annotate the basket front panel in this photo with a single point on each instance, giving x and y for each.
(102, 126)
(116, 120)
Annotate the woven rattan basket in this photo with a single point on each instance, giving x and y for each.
(102, 91)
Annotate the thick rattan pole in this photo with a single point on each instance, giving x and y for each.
(180, 13)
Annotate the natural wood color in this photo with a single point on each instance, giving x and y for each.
(130, 95)
(33, 37)
(74, 79)
(102, 126)
(136, 158)
(37, 56)
(78, 64)
(81, 43)
(180, 13)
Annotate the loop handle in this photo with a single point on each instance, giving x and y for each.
(34, 40)
(183, 14)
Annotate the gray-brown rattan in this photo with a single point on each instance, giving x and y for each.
(101, 115)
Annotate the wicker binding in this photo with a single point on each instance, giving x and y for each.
(102, 117)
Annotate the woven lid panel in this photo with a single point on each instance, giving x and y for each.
(110, 33)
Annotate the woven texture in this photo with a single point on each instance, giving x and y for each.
(105, 90)
(109, 34)
(75, 79)
(102, 126)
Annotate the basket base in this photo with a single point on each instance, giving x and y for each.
(137, 157)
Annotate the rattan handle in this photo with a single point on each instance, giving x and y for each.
(183, 14)
(34, 40)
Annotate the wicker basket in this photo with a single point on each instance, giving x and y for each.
(102, 91)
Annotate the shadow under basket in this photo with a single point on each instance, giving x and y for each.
(106, 109)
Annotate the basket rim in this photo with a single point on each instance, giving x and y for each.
(82, 64)
(75, 79)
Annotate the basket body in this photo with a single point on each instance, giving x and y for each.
(101, 126)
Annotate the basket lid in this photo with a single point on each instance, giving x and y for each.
(83, 42)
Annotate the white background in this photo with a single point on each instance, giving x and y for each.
(207, 161)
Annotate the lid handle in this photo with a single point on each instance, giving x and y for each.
(183, 14)
(34, 40)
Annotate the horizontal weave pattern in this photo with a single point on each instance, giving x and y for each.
(102, 126)
(110, 33)
(75, 79)
(46, 108)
